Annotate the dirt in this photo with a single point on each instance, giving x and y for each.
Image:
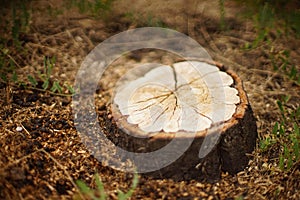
(45, 158)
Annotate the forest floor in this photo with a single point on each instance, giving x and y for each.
(41, 153)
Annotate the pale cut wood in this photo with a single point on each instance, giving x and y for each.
(185, 96)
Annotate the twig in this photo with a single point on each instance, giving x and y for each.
(52, 50)
(209, 40)
(264, 92)
(235, 39)
(47, 91)
(20, 159)
(224, 60)
(25, 129)
(52, 93)
(11, 58)
(42, 46)
(90, 43)
(59, 34)
(267, 72)
(21, 197)
(273, 75)
(8, 92)
(65, 171)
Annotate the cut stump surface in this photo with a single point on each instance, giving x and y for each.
(200, 104)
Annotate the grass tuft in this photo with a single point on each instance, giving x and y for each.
(99, 192)
(96, 8)
(281, 18)
(285, 134)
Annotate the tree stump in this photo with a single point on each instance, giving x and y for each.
(200, 104)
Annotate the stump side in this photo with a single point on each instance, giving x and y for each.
(242, 134)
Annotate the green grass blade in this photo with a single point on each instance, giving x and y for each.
(45, 85)
(122, 196)
(15, 77)
(32, 80)
(100, 187)
(281, 162)
(56, 87)
(296, 130)
(85, 189)
(275, 129)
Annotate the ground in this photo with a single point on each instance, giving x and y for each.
(46, 157)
